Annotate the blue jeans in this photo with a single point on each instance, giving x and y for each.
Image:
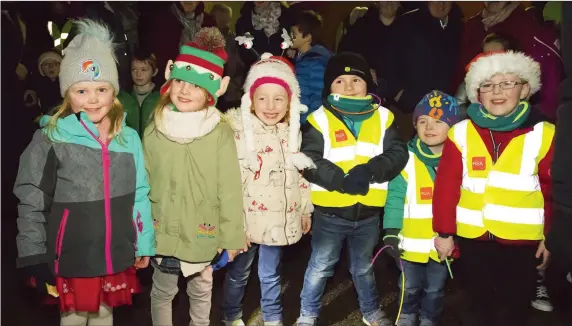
(424, 290)
(269, 274)
(328, 235)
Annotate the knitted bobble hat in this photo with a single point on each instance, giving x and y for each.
(274, 70)
(485, 66)
(89, 57)
(201, 62)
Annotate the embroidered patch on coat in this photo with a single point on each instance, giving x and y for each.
(206, 231)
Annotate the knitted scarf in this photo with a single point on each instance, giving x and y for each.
(266, 17)
(354, 110)
(483, 119)
(423, 152)
(191, 24)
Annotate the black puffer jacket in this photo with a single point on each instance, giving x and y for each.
(558, 240)
(329, 176)
(369, 37)
(427, 55)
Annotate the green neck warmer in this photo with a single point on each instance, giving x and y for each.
(483, 119)
(354, 110)
(423, 152)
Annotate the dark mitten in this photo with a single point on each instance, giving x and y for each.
(357, 180)
(42, 275)
(361, 173)
(352, 187)
(391, 239)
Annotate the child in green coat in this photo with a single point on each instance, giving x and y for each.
(139, 104)
(408, 212)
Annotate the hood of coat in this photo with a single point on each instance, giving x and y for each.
(186, 127)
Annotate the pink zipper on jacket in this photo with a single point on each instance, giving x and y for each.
(107, 198)
(60, 239)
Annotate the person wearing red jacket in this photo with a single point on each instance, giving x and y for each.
(492, 189)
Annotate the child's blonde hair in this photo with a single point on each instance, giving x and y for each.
(166, 100)
(115, 116)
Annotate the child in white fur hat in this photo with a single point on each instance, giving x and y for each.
(276, 202)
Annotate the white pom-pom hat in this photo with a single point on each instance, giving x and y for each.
(276, 70)
(487, 65)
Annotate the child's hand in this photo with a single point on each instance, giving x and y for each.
(246, 246)
(306, 223)
(544, 253)
(444, 246)
(231, 253)
(141, 262)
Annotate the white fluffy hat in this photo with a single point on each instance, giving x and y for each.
(276, 68)
(488, 65)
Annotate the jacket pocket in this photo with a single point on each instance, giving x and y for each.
(60, 239)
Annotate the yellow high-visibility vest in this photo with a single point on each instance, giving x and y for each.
(503, 198)
(345, 151)
(59, 36)
(417, 236)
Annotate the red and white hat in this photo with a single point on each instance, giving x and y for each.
(274, 70)
(484, 66)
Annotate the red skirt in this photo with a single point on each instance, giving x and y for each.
(87, 294)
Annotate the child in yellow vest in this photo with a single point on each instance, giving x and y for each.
(408, 216)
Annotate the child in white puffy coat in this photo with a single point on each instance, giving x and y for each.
(277, 205)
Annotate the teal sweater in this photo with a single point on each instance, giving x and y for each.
(397, 188)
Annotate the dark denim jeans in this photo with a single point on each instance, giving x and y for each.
(328, 235)
(424, 291)
(269, 274)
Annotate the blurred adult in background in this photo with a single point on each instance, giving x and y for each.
(372, 36)
(234, 67)
(425, 56)
(533, 37)
(558, 240)
(165, 29)
(264, 20)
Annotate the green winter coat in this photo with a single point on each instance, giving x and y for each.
(196, 192)
(138, 117)
(131, 107)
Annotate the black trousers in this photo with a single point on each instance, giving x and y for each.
(499, 281)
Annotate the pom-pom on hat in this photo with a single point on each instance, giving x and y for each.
(89, 56)
(440, 106)
(487, 65)
(201, 62)
(274, 70)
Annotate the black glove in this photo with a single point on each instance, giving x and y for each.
(42, 276)
(357, 180)
(391, 239)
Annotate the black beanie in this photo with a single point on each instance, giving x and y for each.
(346, 63)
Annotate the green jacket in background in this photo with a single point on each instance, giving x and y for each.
(196, 193)
(138, 116)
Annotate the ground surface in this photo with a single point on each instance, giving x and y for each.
(340, 304)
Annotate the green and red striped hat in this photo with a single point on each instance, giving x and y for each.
(201, 62)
